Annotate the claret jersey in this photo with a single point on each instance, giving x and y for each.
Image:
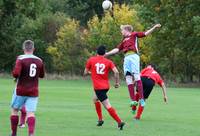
(27, 70)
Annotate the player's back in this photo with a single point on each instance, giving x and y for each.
(27, 71)
(150, 72)
(100, 68)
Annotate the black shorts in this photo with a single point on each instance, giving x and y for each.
(101, 94)
(148, 85)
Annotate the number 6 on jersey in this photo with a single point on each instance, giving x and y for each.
(32, 71)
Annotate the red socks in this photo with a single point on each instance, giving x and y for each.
(23, 115)
(131, 91)
(114, 115)
(140, 110)
(98, 110)
(14, 119)
(31, 125)
(140, 89)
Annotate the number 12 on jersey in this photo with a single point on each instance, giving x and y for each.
(100, 67)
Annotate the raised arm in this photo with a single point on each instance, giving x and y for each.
(113, 51)
(152, 29)
(116, 75)
(164, 92)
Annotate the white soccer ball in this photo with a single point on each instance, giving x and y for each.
(107, 5)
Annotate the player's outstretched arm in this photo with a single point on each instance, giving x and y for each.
(152, 29)
(116, 75)
(113, 51)
(164, 92)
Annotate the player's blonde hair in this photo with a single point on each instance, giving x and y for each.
(28, 45)
(127, 27)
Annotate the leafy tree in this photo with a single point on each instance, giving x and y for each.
(21, 20)
(43, 32)
(175, 48)
(68, 51)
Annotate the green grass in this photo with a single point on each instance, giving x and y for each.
(65, 109)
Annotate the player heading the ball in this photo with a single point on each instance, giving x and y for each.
(129, 46)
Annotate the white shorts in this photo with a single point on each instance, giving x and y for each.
(29, 102)
(132, 65)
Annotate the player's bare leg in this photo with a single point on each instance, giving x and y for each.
(98, 108)
(14, 119)
(113, 113)
(31, 123)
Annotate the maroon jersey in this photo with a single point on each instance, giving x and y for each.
(130, 43)
(27, 70)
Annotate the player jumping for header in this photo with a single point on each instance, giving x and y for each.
(129, 46)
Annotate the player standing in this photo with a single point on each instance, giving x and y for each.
(99, 68)
(27, 70)
(129, 46)
(150, 77)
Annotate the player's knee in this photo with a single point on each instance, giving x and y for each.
(94, 99)
(107, 105)
(14, 111)
(30, 114)
(129, 80)
(137, 77)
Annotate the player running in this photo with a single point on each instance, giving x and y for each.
(99, 67)
(129, 46)
(150, 77)
(27, 70)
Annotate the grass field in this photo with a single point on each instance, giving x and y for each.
(65, 109)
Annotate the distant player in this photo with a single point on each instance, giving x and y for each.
(129, 46)
(150, 77)
(27, 70)
(99, 68)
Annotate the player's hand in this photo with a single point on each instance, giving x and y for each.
(165, 99)
(157, 25)
(116, 85)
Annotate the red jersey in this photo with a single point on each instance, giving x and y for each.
(99, 68)
(151, 73)
(27, 70)
(130, 43)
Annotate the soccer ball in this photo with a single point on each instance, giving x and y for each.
(107, 5)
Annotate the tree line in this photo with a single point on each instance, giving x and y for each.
(67, 32)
